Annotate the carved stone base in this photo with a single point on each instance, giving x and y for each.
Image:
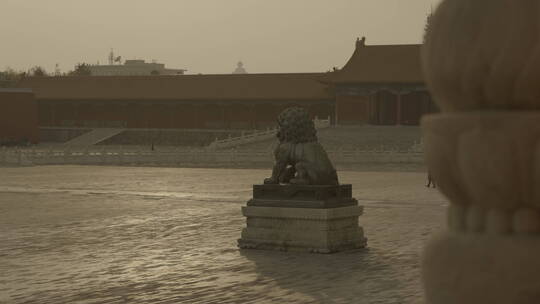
(486, 163)
(303, 229)
(302, 196)
(481, 268)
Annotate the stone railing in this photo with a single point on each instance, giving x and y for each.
(258, 136)
(243, 139)
(194, 157)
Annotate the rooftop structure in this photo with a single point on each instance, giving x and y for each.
(379, 85)
(134, 67)
(382, 64)
(240, 68)
(250, 87)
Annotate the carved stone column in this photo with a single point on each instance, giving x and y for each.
(482, 63)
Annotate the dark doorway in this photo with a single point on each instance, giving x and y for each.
(384, 108)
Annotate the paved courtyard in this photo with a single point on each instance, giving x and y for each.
(76, 234)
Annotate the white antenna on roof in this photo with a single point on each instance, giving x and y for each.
(111, 57)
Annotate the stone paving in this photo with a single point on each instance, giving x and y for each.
(75, 234)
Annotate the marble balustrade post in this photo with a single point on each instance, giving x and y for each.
(481, 61)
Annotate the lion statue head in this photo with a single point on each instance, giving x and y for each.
(295, 126)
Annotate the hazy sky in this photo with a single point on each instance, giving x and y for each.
(203, 36)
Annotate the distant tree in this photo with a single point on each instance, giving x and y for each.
(81, 69)
(154, 72)
(10, 77)
(426, 27)
(37, 71)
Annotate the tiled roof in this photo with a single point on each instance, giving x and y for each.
(182, 87)
(382, 64)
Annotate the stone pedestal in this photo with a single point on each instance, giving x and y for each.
(320, 219)
(486, 163)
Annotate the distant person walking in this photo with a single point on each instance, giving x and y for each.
(430, 180)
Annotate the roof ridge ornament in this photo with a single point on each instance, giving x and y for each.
(360, 42)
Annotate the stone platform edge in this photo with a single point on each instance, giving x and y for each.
(302, 213)
(299, 246)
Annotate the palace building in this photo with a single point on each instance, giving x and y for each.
(379, 85)
(243, 101)
(18, 117)
(133, 67)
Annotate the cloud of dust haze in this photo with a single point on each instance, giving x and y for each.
(204, 36)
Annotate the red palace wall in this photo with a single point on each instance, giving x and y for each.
(18, 117)
(414, 105)
(171, 114)
(352, 109)
(136, 116)
(384, 108)
(381, 108)
(239, 116)
(186, 116)
(265, 115)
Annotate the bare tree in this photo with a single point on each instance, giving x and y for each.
(426, 27)
(37, 71)
(10, 77)
(81, 69)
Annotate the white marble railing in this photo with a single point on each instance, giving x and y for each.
(16, 157)
(259, 136)
(243, 139)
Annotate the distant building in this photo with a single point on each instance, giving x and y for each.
(226, 101)
(239, 68)
(379, 85)
(18, 117)
(134, 67)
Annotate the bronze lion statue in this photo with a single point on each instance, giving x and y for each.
(299, 157)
